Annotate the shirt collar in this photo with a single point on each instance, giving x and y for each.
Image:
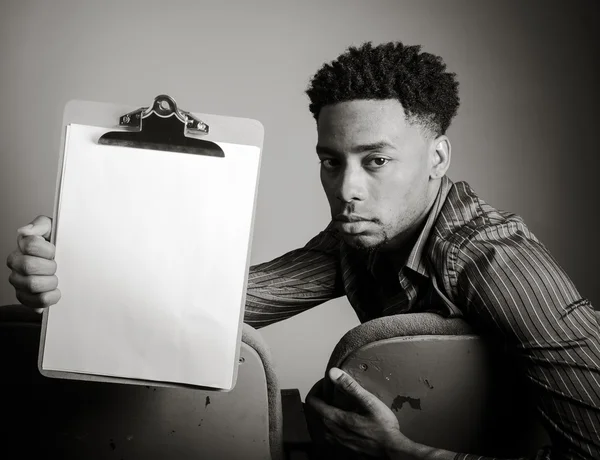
(416, 260)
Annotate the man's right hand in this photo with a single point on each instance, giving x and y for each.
(33, 267)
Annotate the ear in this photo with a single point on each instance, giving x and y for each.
(441, 155)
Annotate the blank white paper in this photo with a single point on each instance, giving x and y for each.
(152, 254)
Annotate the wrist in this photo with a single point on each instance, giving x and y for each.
(401, 448)
(405, 449)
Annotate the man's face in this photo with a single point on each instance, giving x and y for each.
(375, 170)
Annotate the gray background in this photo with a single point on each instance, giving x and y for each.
(525, 137)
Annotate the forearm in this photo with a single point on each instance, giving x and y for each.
(273, 295)
(416, 451)
(293, 282)
(269, 306)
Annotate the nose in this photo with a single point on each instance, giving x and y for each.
(350, 185)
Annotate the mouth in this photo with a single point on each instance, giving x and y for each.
(352, 224)
(348, 218)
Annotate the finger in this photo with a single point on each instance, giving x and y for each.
(326, 411)
(34, 245)
(330, 421)
(40, 226)
(33, 284)
(330, 438)
(42, 300)
(30, 265)
(351, 387)
(340, 437)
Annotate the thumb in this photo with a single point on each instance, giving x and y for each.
(351, 387)
(41, 226)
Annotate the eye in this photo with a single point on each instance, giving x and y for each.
(377, 162)
(329, 163)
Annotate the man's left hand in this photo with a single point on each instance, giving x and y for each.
(372, 430)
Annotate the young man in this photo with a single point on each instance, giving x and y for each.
(400, 227)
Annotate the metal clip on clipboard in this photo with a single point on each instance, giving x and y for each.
(163, 126)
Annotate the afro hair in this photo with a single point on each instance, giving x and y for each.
(418, 80)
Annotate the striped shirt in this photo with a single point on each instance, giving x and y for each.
(489, 269)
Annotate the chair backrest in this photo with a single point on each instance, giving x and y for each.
(448, 388)
(92, 420)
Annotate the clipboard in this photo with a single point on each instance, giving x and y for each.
(160, 127)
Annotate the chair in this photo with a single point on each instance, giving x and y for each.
(92, 420)
(448, 388)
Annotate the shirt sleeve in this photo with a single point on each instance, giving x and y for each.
(294, 282)
(515, 292)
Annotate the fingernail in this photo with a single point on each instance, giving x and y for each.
(335, 373)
